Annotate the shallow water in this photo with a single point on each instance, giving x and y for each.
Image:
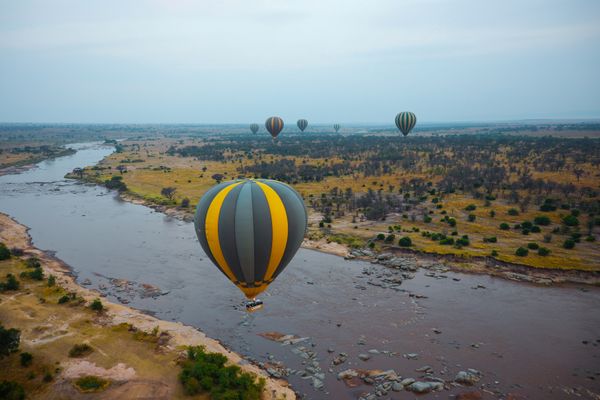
(525, 339)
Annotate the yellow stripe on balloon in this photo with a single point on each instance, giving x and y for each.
(279, 226)
(211, 226)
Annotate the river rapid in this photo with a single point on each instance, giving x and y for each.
(532, 341)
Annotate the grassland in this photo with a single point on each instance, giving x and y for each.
(420, 184)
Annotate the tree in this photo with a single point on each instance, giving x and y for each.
(569, 244)
(9, 341)
(10, 390)
(97, 305)
(522, 252)
(26, 359)
(405, 242)
(168, 192)
(218, 177)
(4, 252)
(570, 220)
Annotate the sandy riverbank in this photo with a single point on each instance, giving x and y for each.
(14, 234)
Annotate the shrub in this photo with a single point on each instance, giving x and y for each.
(33, 262)
(542, 251)
(533, 246)
(472, 217)
(491, 239)
(37, 274)
(542, 220)
(470, 207)
(492, 214)
(452, 222)
(447, 242)
(522, 252)
(80, 350)
(390, 238)
(463, 241)
(51, 281)
(535, 229)
(10, 390)
(405, 242)
(89, 384)
(380, 236)
(504, 226)
(204, 372)
(427, 219)
(9, 340)
(97, 305)
(116, 182)
(526, 225)
(570, 220)
(185, 203)
(525, 231)
(371, 245)
(4, 252)
(494, 253)
(569, 244)
(64, 299)
(513, 211)
(590, 238)
(26, 359)
(11, 283)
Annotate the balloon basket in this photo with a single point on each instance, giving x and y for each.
(253, 305)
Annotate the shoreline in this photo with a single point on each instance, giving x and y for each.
(473, 265)
(15, 234)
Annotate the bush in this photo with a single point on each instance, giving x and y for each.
(390, 238)
(535, 229)
(4, 252)
(405, 242)
(452, 222)
(64, 299)
(526, 225)
(207, 373)
(463, 241)
(504, 226)
(570, 220)
(11, 283)
(116, 182)
(97, 305)
(590, 238)
(26, 359)
(371, 245)
(542, 220)
(447, 242)
(569, 244)
(494, 253)
(522, 252)
(533, 246)
(491, 239)
(9, 341)
(80, 350)
(51, 281)
(37, 274)
(380, 236)
(89, 384)
(470, 207)
(33, 262)
(10, 390)
(542, 251)
(472, 217)
(427, 219)
(513, 211)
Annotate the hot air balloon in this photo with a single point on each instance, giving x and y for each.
(251, 229)
(405, 121)
(302, 124)
(336, 127)
(274, 125)
(254, 128)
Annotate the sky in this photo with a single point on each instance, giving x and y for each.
(348, 61)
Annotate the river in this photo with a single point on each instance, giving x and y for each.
(533, 341)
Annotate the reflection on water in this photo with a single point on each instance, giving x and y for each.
(525, 339)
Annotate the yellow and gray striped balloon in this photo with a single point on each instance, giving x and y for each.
(405, 121)
(274, 125)
(251, 229)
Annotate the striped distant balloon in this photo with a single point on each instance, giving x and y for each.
(251, 229)
(302, 124)
(254, 128)
(405, 121)
(274, 125)
(336, 127)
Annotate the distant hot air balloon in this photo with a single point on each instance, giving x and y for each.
(274, 125)
(302, 124)
(251, 229)
(336, 127)
(254, 128)
(405, 121)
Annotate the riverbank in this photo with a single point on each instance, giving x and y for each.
(29, 161)
(174, 336)
(383, 253)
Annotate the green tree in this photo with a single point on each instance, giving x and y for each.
(4, 252)
(9, 340)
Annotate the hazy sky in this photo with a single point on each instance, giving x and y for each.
(346, 60)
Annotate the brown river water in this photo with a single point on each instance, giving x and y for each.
(526, 340)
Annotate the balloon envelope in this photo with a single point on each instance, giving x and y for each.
(302, 124)
(254, 128)
(405, 121)
(251, 229)
(336, 127)
(274, 125)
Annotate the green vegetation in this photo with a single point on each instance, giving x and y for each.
(522, 252)
(533, 246)
(405, 242)
(26, 359)
(569, 244)
(204, 372)
(9, 341)
(97, 305)
(542, 251)
(570, 220)
(90, 384)
(11, 283)
(80, 350)
(10, 390)
(4, 252)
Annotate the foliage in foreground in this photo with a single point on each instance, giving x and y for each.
(10, 390)
(207, 373)
(9, 341)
